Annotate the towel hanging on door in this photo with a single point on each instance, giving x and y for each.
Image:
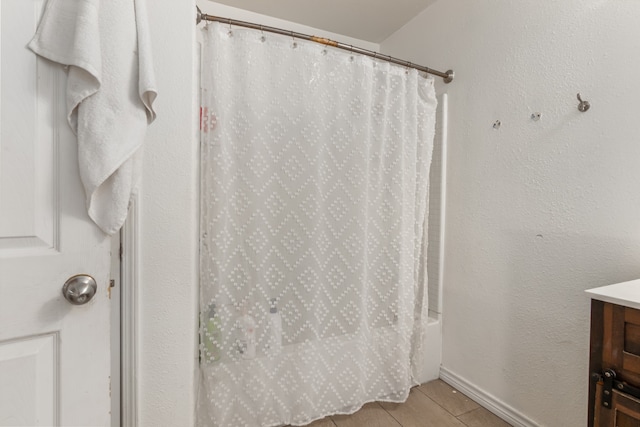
(110, 93)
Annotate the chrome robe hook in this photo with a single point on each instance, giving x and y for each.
(584, 105)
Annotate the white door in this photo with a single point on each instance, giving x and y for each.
(54, 356)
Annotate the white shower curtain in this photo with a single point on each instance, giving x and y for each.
(315, 166)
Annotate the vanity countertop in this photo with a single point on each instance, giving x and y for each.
(626, 294)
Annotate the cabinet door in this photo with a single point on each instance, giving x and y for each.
(621, 342)
(624, 412)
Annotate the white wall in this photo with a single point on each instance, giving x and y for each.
(168, 225)
(537, 211)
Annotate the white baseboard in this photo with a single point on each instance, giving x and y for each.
(488, 401)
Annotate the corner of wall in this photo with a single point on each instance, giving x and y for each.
(169, 226)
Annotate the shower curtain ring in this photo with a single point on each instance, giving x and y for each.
(230, 33)
(262, 37)
(294, 44)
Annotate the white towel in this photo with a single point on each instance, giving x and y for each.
(110, 93)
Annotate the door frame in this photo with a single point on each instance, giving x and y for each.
(129, 281)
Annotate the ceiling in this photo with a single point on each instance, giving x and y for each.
(370, 20)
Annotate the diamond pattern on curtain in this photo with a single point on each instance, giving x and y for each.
(314, 195)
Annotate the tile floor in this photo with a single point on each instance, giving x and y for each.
(434, 404)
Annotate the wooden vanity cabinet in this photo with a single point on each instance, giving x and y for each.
(614, 366)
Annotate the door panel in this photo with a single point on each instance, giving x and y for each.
(621, 338)
(29, 365)
(28, 138)
(54, 357)
(624, 412)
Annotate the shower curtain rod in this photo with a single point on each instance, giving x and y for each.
(447, 76)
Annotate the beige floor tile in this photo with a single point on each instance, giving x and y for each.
(482, 418)
(325, 422)
(420, 411)
(371, 415)
(447, 397)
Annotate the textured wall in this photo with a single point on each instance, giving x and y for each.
(537, 211)
(168, 225)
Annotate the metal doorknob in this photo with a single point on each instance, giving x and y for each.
(79, 289)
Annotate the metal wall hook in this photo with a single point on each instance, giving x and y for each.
(584, 105)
